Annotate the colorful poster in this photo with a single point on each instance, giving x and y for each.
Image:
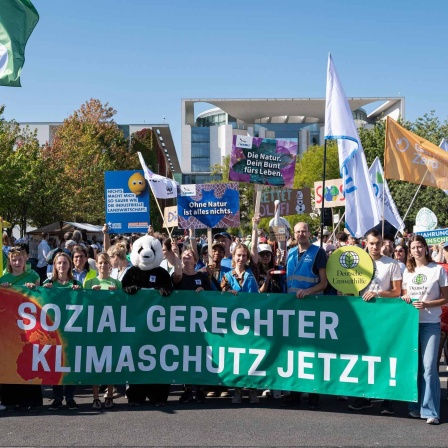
(323, 344)
(292, 202)
(127, 201)
(333, 196)
(201, 206)
(263, 161)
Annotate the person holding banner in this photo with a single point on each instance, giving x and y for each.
(185, 277)
(20, 395)
(306, 275)
(386, 282)
(103, 282)
(240, 279)
(426, 282)
(62, 278)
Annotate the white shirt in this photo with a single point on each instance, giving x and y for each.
(42, 252)
(424, 284)
(387, 270)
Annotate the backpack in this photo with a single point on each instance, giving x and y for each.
(52, 254)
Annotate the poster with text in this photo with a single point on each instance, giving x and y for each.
(263, 161)
(127, 201)
(292, 202)
(201, 206)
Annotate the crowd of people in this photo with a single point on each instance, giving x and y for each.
(252, 264)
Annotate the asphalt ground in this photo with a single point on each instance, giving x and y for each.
(220, 423)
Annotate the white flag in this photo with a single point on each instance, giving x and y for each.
(444, 144)
(161, 187)
(361, 209)
(382, 190)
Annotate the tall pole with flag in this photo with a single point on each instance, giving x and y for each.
(361, 209)
(17, 21)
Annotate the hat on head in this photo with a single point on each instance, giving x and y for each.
(217, 244)
(69, 243)
(445, 245)
(326, 233)
(264, 248)
(225, 235)
(204, 248)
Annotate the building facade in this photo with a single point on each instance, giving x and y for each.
(207, 136)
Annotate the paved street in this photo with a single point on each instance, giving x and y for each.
(219, 423)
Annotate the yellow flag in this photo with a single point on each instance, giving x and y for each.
(413, 159)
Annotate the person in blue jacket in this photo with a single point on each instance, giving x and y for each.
(305, 276)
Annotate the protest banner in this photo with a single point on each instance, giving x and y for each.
(202, 206)
(292, 202)
(263, 161)
(434, 236)
(333, 196)
(323, 344)
(127, 201)
(170, 216)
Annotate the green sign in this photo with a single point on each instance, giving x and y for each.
(325, 344)
(350, 269)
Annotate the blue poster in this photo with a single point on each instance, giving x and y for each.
(127, 201)
(208, 205)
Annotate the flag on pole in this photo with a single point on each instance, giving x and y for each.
(17, 21)
(382, 189)
(413, 159)
(161, 187)
(361, 209)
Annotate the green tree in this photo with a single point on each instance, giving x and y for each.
(27, 194)
(87, 144)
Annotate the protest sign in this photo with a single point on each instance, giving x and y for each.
(434, 236)
(170, 216)
(292, 202)
(323, 344)
(333, 196)
(350, 269)
(127, 201)
(202, 206)
(263, 161)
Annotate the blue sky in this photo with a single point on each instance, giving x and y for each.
(144, 56)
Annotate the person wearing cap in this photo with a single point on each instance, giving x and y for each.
(268, 279)
(225, 239)
(215, 269)
(69, 245)
(325, 235)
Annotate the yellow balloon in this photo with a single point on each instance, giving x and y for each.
(137, 183)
